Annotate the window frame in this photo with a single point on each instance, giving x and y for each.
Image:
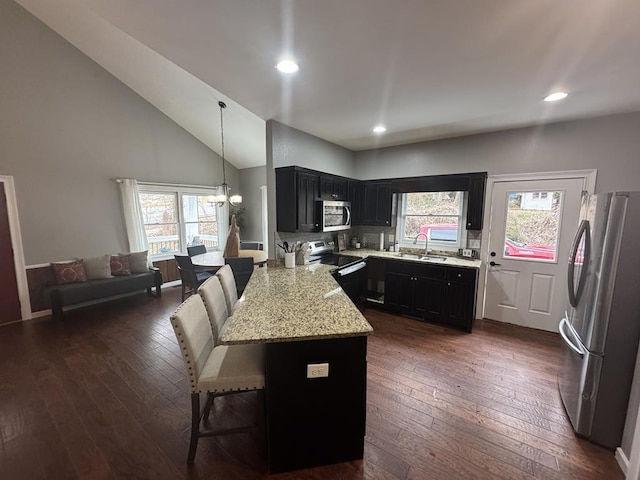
(179, 191)
(433, 244)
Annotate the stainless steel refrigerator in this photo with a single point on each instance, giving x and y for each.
(601, 328)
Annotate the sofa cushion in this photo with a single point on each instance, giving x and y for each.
(120, 265)
(98, 267)
(138, 262)
(69, 272)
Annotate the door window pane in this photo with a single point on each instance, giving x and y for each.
(201, 226)
(532, 225)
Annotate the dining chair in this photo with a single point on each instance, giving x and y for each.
(216, 304)
(196, 250)
(191, 279)
(215, 370)
(242, 268)
(228, 283)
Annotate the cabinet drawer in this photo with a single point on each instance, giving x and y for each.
(465, 275)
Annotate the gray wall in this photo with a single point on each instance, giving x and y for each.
(251, 179)
(295, 147)
(610, 144)
(67, 127)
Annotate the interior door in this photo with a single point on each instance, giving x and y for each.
(531, 228)
(9, 299)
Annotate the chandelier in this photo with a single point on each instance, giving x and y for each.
(224, 192)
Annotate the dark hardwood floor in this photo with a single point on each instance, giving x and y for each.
(102, 394)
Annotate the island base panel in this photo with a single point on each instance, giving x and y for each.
(315, 421)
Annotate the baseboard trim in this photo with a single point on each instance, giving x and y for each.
(622, 460)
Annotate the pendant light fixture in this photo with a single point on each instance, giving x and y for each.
(224, 194)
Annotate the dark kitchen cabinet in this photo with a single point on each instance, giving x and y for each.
(475, 202)
(354, 195)
(460, 297)
(378, 204)
(444, 295)
(415, 289)
(333, 188)
(296, 201)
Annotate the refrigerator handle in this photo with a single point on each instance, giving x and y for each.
(574, 293)
(565, 337)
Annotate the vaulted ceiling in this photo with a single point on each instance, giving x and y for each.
(426, 69)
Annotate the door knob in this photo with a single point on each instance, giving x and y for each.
(494, 264)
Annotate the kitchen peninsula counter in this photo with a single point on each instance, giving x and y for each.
(293, 304)
(315, 364)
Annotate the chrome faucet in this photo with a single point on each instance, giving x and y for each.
(426, 242)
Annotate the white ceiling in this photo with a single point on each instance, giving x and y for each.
(427, 69)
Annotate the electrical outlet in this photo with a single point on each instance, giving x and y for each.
(391, 237)
(317, 370)
(467, 252)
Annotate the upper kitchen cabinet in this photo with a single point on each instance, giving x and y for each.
(475, 205)
(333, 188)
(296, 200)
(354, 195)
(378, 204)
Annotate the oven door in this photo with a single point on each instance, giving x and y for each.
(336, 216)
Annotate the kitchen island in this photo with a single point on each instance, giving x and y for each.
(316, 368)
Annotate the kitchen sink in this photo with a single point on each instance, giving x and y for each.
(433, 258)
(424, 258)
(410, 256)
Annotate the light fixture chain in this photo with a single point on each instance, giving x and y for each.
(222, 106)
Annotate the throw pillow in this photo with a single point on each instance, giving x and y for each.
(69, 272)
(98, 267)
(138, 262)
(120, 265)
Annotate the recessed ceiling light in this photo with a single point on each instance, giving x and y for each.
(379, 129)
(554, 97)
(287, 66)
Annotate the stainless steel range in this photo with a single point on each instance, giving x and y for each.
(351, 273)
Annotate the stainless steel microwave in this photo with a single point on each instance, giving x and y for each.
(336, 216)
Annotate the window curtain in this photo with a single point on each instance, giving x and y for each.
(133, 219)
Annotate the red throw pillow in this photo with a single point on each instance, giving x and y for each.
(120, 265)
(69, 272)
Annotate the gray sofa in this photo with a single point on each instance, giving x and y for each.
(59, 296)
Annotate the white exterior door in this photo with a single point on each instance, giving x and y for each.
(531, 227)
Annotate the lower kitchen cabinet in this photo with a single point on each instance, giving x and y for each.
(437, 294)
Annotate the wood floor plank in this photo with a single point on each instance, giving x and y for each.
(103, 393)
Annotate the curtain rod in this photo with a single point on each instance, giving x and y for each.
(160, 184)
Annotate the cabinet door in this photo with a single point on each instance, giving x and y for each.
(307, 202)
(355, 197)
(429, 299)
(475, 202)
(398, 292)
(459, 304)
(339, 189)
(332, 188)
(326, 187)
(377, 204)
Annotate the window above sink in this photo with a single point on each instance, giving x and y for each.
(438, 216)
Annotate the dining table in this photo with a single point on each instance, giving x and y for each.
(215, 259)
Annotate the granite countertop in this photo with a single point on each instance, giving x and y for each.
(449, 262)
(292, 304)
